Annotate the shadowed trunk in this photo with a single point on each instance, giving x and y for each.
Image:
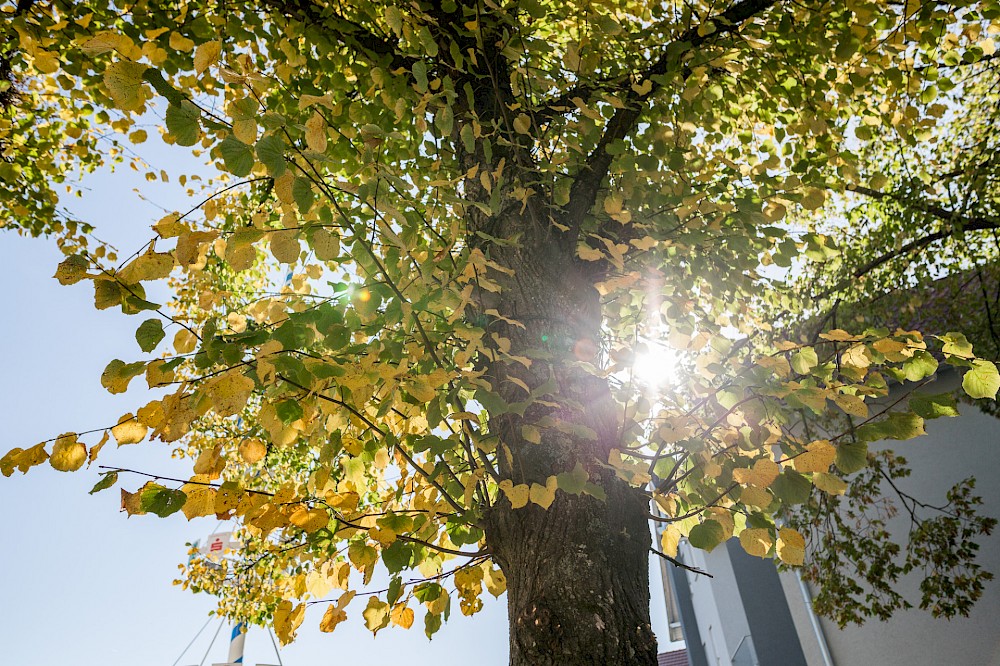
(577, 572)
(577, 580)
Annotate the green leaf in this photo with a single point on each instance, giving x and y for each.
(921, 365)
(493, 403)
(791, 487)
(851, 457)
(303, 194)
(804, 360)
(237, 156)
(289, 411)
(933, 406)
(981, 380)
(108, 479)
(183, 123)
(155, 78)
(595, 491)
(397, 556)
(271, 153)
(573, 482)
(898, 425)
(956, 344)
(707, 535)
(149, 334)
(160, 501)
(118, 374)
(432, 623)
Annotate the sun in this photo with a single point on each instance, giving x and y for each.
(656, 365)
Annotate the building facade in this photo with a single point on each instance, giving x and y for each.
(749, 614)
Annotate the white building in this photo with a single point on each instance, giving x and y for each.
(748, 614)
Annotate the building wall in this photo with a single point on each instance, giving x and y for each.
(952, 450)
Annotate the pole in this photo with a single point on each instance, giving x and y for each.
(236, 643)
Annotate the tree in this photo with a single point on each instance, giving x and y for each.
(488, 215)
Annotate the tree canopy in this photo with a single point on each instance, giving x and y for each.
(425, 284)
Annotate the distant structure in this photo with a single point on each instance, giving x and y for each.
(749, 614)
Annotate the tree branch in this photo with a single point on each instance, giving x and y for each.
(955, 223)
(351, 33)
(583, 193)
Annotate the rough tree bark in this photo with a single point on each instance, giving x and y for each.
(578, 585)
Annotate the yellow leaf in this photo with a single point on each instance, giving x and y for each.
(23, 459)
(838, 335)
(753, 496)
(131, 503)
(518, 495)
(285, 246)
(723, 517)
(669, 539)
(156, 375)
(588, 253)
(852, 404)
(813, 199)
(541, 495)
(756, 541)
(335, 614)
(818, 457)
(68, 455)
(763, 473)
(287, 621)
(170, 227)
(179, 42)
(200, 500)
(229, 393)
(207, 55)
(210, 462)
(402, 615)
(361, 555)
(496, 581)
(309, 520)
(316, 132)
(129, 430)
(252, 450)
(376, 614)
(857, 356)
(667, 503)
(192, 247)
(420, 389)
(227, 497)
(103, 42)
(147, 266)
(829, 483)
(184, 341)
(96, 448)
(123, 79)
(325, 244)
(643, 88)
(791, 546)
(522, 124)
(613, 203)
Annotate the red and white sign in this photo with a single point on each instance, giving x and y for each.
(217, 544)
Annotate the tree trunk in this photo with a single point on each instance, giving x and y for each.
(577, 580)
(577, 572)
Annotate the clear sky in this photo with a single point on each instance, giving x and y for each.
(83, 584)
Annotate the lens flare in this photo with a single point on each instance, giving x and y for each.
(656, 365)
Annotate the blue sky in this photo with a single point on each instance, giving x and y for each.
(85, 585)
